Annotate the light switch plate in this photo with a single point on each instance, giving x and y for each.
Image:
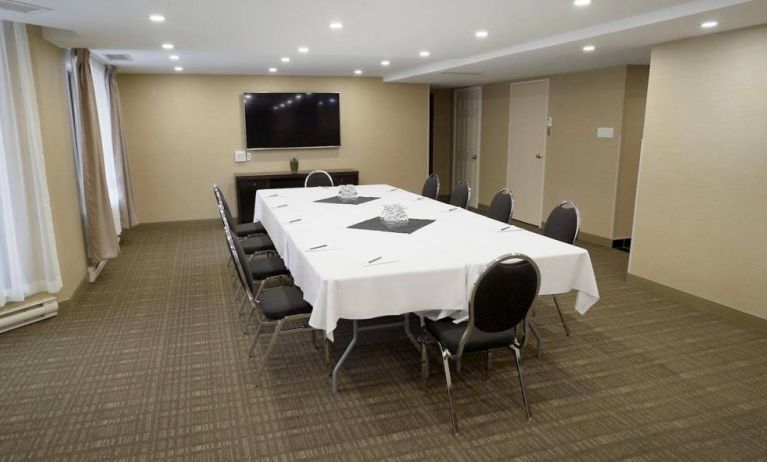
(240, 156)
(605, 132)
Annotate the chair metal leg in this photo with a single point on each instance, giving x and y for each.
(262, 365)
(446, 366)
(538, 338)
(314, 339)
(488, 363)
(255, 339)
(424, 362)
(518, 361)
(562, 317)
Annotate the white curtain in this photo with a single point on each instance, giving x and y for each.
(103, 107)
(28, 260)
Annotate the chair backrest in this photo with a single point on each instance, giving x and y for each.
(431, 187)
(238, 258)
(460, 195)
(502, 206)
(318, 178)
(564, 222)
(502, 295)
(221, 199)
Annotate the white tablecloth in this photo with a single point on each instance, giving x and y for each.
(430, 271)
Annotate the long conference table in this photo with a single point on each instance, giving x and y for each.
(357, 274)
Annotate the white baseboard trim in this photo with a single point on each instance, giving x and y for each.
(27, 314)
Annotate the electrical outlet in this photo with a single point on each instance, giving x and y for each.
(248, 155)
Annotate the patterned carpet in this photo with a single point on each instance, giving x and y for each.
(152, 365)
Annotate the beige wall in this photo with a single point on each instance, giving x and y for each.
(634, 104)
(701, 217)
(50, 83)
(579, 166)
(182, 131)
(443, 137)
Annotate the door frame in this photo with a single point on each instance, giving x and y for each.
(478, 90)
(546, 135)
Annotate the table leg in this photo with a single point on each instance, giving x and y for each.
(344, 356)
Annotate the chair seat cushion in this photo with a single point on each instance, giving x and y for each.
(264, 267)
(257, 243)
(246, 229)
(280, 302)
(449, 334)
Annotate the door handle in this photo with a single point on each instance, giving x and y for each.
(538, 156)
(474, 157)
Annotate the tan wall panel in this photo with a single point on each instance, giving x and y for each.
(52, 95)
(631, 144)
(701, 216)
(443, 137)
(579, 166)
(494, 144)
(182, 131)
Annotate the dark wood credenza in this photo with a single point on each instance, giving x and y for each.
(246, 185)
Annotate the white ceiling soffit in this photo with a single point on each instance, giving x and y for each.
(624, 41)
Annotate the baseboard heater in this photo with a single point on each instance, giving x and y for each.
(94, 271)
(27, 314)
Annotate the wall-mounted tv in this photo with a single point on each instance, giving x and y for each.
(292, 120)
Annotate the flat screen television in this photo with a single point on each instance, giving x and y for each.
(292, 120)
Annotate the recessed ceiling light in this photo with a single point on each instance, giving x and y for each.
(358, 71)
(167, 46)
(285, 59)
(709, 24)
(156, 18)
(174, 57)
(272, 69)
(424, 54)
(178, 68)
(480, 34)
(582, 2)
(589, 48)
(385, 63)
(303, 49)
(336, 25)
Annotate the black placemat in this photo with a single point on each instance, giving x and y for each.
(337, 200)
(374, 224)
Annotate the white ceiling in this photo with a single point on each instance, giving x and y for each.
(526, 37)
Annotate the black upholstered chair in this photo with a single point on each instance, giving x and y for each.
(241, 229)
(502, 206)
(460, 195)
(318, 178)
(431, 187)
(275, 302)
(563, 224)
(262, 263)
(251, 243)
(500, 301)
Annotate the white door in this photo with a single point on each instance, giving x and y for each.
(467, 120)
(528, 113)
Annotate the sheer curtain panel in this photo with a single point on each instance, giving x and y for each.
(28, 260)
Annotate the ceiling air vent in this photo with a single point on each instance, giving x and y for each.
(460, 73)
(118, 57)
(21, 7)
